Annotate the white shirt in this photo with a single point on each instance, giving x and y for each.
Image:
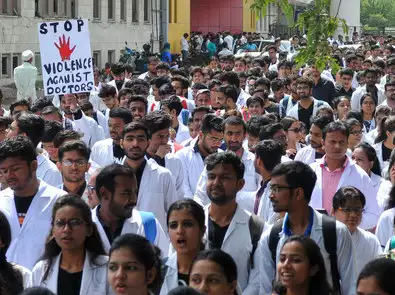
(229, 41)
(345, 256)
(360, 91)
(28, 241)
(182, 133)
(293, 112)
(133, 225)
(366, 248)
(184, 44)
(102, 153)
(385, 226)
(306, 155)
(25, 77)
(48, 171)
(93, 281)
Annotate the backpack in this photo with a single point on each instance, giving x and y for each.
(149, 223)
(255, 225)
(329, 234)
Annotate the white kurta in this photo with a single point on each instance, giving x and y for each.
(25, 77)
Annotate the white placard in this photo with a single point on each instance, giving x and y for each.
(66, 59)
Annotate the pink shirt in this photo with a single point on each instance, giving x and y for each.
(330, 181)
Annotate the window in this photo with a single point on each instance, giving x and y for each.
(111, 56)
(123, 10)
(135, 11)
(146, 11)
(37, 62)
(15, 61)
(10, 7)
(96, 59)
(65, 10)
(96, 9)
(5, 65)
(175, 11)
(170, 11)
(111, 9)
(73, 9)
(55, 7)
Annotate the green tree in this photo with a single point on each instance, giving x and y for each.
(318, 25)
(378, 13)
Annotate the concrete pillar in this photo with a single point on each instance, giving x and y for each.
(350, 10)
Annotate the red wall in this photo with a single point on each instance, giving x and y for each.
(217, 15)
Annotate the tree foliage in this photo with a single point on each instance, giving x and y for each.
(318, 25)
(378, 13)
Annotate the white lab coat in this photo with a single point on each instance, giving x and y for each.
(96, 101)
(238, 231)
(112, 83)
(385, 226)
(182, 133)
(102, 153)
(26, 275)
(250, 176)
(366, 248)
(133, 225)
(156, 191)
(242, 99)
(94, 277)
(306, 155)
(379, 152)
(103, 123)
(345, 256)
(352, 175)
(193, 165)
(294, 111)
(47, 171)
(25, 77)
(360, 91)
(170, 281)
(91, 131)
(383, 188)
(28, 241)
(174, 165)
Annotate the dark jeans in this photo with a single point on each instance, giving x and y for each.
(184, 54)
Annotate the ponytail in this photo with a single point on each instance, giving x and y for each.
(382, 135)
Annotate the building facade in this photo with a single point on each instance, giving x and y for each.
(111, 23)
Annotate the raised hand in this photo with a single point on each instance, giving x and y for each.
(64, 48)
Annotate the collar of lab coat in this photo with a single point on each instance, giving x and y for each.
(240, 217)
(87, 272)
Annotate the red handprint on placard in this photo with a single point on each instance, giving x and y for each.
(64, 48)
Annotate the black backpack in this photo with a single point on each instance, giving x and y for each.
(329, 233)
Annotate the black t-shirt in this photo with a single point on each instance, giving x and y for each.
(139, 173)
(386, 153)
(305, 115)
(22, 204)
(159, 160)
(118, 152)
(319, 155)
(216, 234)
(183, 279)
(110, 235)
(69, 283)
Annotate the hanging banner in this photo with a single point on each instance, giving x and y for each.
(66, 59)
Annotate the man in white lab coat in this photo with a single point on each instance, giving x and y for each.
(156, 189)
(161, 150)
(118, 73)
(173, 107)
(336, 170)
(227, 225)
(192, 157)
(314, 151)
(27, 202)
(292, 184)
(33, 126)
(25, 77)
(109, 150)
(234, 135)
(116, 188)
(91, 131)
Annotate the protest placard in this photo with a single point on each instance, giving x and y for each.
(66, 59)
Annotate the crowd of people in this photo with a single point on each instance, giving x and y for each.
(246, 176)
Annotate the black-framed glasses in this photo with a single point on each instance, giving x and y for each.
(349, 210)
(277, 188)
(73, 223)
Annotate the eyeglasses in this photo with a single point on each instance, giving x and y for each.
(90, 188)
(72, 223)
(275, 189)
(356, 132)
(348, 210)
(215, 139)
(69, 163)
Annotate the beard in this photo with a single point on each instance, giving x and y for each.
(219, 200)
(135, 155)
(235, 146)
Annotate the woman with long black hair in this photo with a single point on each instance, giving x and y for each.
(74, 261)
(13, 278)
